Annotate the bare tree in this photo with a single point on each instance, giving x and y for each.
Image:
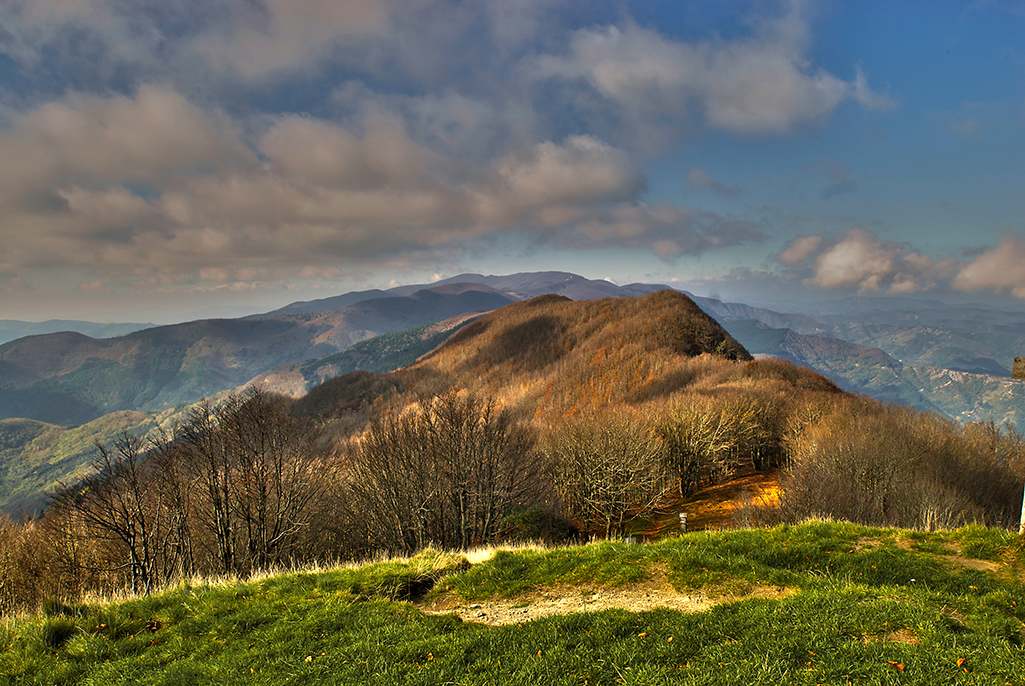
(707, 439)
(208, 461)
(277, 475)
(258, 475)
(606, 468)
(445, 473)
(118, 502)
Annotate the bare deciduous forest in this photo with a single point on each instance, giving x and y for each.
(546, 419)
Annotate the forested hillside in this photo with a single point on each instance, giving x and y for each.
(546, 419)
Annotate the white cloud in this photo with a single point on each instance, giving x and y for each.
(150, 137)
(760, 85)
(288, 34)
(304, 148)
(158, 184)
(999, 270)
(799, 249)
(665, 230)
(96, 286)
(860, 260)
(866, 97)
(581, 171)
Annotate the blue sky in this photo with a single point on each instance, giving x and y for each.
(163, 159)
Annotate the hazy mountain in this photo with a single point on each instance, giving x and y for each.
(515, 286)
(853, 367)
(336, 302)
(978, 351)
(532, 284)
(35, 457)
(971, 397)
(11, 329)
(69, 378)
(383, 353)
(728, 311)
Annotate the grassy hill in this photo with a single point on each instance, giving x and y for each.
(550, 416)
(827, 603)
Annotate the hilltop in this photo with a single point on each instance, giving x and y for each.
(637, 345)
(553, 354)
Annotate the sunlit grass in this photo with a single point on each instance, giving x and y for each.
(870, 606)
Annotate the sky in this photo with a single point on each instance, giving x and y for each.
(169, 159)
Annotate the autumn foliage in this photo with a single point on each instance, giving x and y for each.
(552, 416)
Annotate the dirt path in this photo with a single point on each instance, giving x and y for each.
(724, 506)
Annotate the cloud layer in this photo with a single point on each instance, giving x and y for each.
(231, 142)
(861, 261)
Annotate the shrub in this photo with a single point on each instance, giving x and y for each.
(892, 466)
(538, 524)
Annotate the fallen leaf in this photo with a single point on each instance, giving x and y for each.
(899, 666)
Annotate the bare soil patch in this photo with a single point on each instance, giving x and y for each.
(650, 595)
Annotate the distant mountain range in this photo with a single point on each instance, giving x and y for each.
(11, 329)
(948, 364)
(70, 379)
(891, 349)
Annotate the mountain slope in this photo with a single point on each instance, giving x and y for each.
(69, 378)
(35, 457)
(853, 367)
(552, 355)
(383, 353)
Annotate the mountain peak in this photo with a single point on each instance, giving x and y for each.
(579, 347)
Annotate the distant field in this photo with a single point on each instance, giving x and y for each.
(829, 603)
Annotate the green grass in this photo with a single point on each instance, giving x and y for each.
(869, 607)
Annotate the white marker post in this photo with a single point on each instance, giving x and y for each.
(1018, 372)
